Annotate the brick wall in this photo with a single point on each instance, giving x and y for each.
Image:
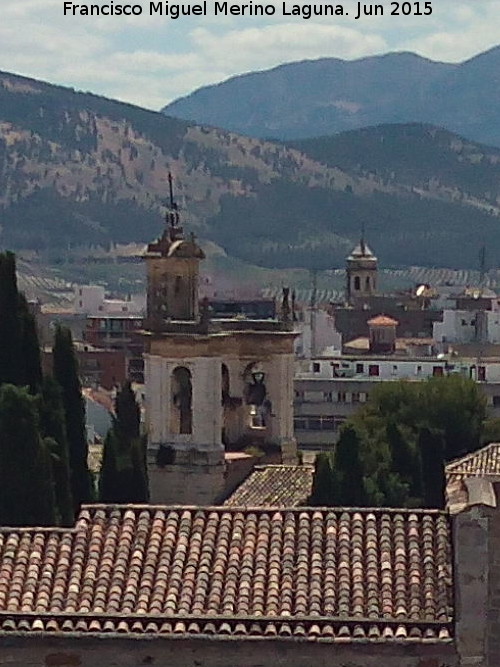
(112, 651)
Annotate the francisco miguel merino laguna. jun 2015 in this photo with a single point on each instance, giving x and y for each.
(177, 10)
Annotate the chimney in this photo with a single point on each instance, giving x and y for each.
(476, 541)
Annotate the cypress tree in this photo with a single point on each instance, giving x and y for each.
(26, 483)
(66, 375)
(322, 494)
(11, 356)
(30, 346)
(123, 474)
(108, 478)
(431, 446)
(53, 430)
(349, 468)
(128, 417)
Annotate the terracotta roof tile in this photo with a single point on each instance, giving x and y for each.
(318, 574)
(274, 486)
(483, 462)
(382, 321)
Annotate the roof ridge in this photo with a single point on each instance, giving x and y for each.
(231, 509)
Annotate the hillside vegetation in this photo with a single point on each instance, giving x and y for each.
(329, 95)
(77, 169)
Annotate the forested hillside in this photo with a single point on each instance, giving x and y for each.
(77, 169)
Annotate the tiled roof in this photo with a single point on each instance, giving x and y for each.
(383, 321)
(299, 573)
(274, 486)
(485, 461)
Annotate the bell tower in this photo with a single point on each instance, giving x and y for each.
(172, 272)
(212, 385)
(361, 272)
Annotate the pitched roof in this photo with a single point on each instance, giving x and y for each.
(362, 250)
(483, 462)
(340, 574)
(274, 486)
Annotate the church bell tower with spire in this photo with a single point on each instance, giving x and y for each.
(361, 272)
(212, 385)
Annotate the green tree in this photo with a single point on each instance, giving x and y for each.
(457, 406)
(348, 469)
(30, 346)
(108, 478)
(66, 375)
(26, 482)
(405, 460)
(53, 430)
(431, 446)
(322, 494)
(123, 474)
(11, 354)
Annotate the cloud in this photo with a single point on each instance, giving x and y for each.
(151, 60)
(273, 44)
(462, 31)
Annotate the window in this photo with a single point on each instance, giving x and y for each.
(367, 283)
(181, 408)
(357, 283)
(316, 367)
(360, 368)
(437, 371)
(299, 395)
(373, 370)
(355, 397)
(419, 370)
(481, 373)
(341, 397)
(328, 396)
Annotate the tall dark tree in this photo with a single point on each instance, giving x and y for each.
(53, 430)
(26, 483)
(109, 482)
(348, 466)
(66, 375)
(30, 347)
(123, 476)
(431, 446)
(11, 355)
(322, 494)
(128, 416)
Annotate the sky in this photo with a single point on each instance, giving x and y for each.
(152, 60)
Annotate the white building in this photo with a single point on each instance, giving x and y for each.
(91, 300)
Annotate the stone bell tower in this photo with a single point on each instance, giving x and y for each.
(361, 272)
(211, 385)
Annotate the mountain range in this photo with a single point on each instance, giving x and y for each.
(79, 170)
(327, 96)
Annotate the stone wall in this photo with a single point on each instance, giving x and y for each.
(112, 651)
(477, 575)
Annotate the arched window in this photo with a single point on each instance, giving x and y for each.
(357, 283)
(367, 283)
(182, 401)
